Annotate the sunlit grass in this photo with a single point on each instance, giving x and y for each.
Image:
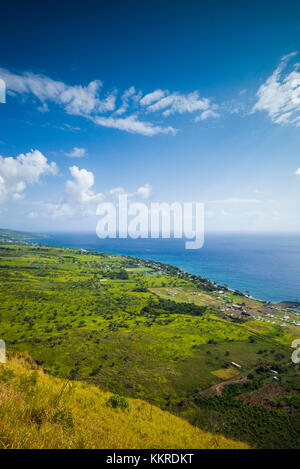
(39, 411)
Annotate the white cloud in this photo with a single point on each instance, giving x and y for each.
(77, 99)
(33, 215)
(103, 109)
(152, 97)
(144, 191)
(43, 108)
(78, 190)
(72, 128)
(279, 96)
(297, 172)
(179, 103)
(77, 153)
(117, 191)
(17, 173)
(130, 93)
(133, 125)
(206, 114)
(79, 198)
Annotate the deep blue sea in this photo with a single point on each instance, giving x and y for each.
(268, 266)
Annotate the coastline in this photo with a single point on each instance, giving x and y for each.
(262, 268)
(216, 284)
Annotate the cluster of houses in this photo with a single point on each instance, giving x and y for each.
(238, 310)
(271, 318)
(233, 310)
(228, 307)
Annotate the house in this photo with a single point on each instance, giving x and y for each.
(236, 365)
(245, 313)
(236, 307)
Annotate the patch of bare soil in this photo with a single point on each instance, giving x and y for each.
(265, 395)
(217, 389)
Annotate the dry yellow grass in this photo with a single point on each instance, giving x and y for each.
(225, 373)
(40, 411)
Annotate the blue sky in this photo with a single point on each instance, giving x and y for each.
(170, 101)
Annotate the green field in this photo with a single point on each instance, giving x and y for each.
(149, 331)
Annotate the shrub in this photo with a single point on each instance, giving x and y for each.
(118, 402)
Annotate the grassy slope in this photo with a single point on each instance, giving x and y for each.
(40, 411)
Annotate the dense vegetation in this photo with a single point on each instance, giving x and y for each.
(109, 321)
(162, 306)
(274, 427)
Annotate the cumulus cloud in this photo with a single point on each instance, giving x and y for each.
(297, 172)
(79, 197)
(279, 96)
(17, 173)
(77, 153)
(78, 190)
(106, 109)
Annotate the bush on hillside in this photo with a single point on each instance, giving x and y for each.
(118, 402)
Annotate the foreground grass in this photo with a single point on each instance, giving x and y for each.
(40, 411)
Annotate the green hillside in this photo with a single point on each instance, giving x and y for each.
(146, 330)
(11, 236)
